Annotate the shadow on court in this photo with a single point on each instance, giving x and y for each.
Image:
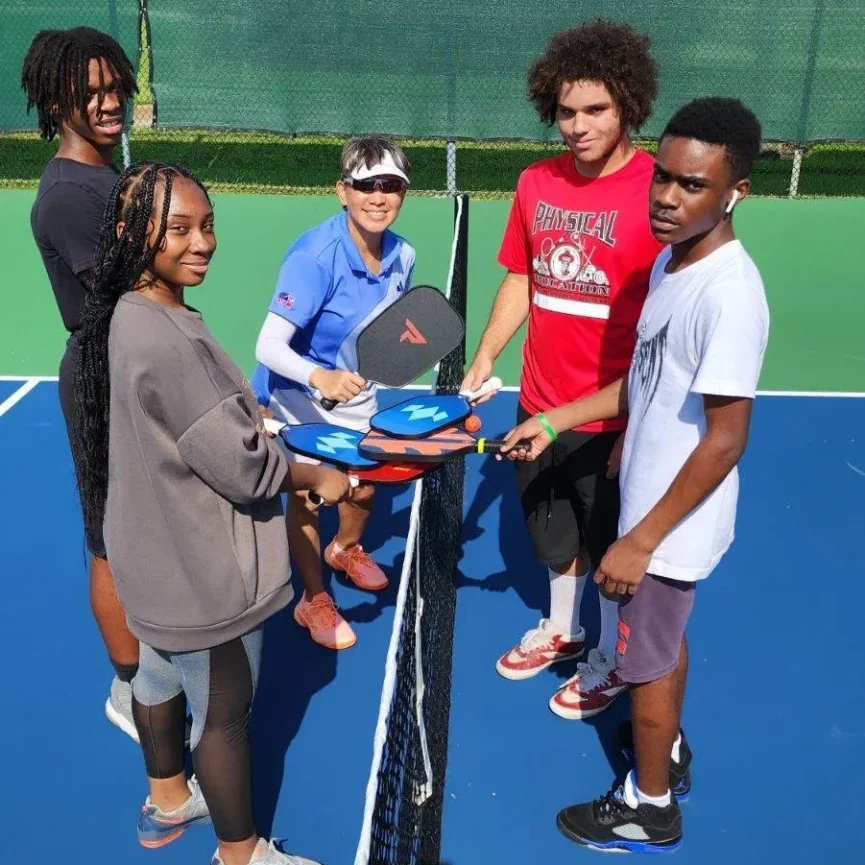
(294, 668)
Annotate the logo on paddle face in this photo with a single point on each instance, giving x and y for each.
(412, 334)
(337, 441)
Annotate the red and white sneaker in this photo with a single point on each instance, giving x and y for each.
(593, 688)
(540, 648)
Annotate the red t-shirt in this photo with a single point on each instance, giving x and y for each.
(589, 249)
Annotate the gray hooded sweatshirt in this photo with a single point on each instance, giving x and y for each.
(194, 526)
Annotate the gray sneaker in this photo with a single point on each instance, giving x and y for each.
(267, 853)
(156, 827)
(118, 708)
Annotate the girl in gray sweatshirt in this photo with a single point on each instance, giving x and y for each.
(173, 463)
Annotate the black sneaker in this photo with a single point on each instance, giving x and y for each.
(680, 774)
(611, 826)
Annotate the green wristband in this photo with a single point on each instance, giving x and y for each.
(547, 425)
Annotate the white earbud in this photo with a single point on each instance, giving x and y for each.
(733, 201)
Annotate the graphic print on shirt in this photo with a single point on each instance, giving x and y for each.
(649, 362)
(564, 267)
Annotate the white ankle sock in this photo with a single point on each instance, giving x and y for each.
(677, 745)
(634, 796)
(566, 594)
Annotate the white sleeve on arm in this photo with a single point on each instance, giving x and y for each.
(273, 349)
(732, 330)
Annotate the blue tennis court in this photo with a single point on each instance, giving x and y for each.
(774, 710)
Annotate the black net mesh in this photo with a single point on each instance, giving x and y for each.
(407, 817)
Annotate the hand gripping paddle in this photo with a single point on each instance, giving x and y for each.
(408, 339)
(424, 415)
(338, 446)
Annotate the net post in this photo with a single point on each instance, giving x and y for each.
(796, 171)
(114, 28)
(451, 169)
(127, 155)
(461, 251)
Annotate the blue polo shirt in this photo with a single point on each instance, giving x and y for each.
(326, 291)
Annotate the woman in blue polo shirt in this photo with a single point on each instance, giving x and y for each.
(335, 279)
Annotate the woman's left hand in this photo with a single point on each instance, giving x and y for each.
(267, 414)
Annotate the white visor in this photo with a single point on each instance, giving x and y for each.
(387, 167)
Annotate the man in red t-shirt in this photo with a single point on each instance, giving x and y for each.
(578, 250)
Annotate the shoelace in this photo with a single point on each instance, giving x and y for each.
(594, 678)
(612, 806)
(272, 848)
(325, 609)
(359, 555)
(537, 638)
(592, 674)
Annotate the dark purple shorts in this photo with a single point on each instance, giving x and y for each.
(651, 627)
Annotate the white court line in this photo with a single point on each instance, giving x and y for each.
(36, 378)
(830, 394)
(833, 394)
(19, 394)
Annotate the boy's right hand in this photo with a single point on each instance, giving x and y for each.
(478, 375)
(338, 385)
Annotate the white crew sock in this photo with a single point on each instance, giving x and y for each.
(566, 594)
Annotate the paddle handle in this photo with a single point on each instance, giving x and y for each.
(328, 404)
(492, 446)
(490, 385)
(274, 427)
(317, 500)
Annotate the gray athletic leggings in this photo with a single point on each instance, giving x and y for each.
(219, 685)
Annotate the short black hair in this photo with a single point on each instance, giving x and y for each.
(56, 73)
(606, 51)
(722, 121)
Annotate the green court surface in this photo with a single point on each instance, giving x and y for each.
(807, 250)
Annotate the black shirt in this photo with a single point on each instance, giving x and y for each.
(66, 219)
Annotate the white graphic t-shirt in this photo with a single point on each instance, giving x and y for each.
(703, 330)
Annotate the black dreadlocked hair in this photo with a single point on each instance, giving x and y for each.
(722, 121)
(122, 264)
(56, 73)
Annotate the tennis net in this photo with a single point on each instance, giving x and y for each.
(405, 793)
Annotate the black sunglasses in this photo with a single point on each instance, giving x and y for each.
(386, 184)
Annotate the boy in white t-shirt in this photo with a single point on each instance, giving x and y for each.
(688, 394)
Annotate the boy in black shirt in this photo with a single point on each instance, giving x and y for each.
(80, 80)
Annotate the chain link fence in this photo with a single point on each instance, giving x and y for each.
(260, 95)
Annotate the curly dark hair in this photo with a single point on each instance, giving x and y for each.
(605, 51)
(122, 264)
(722, 121)
(55, 74)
